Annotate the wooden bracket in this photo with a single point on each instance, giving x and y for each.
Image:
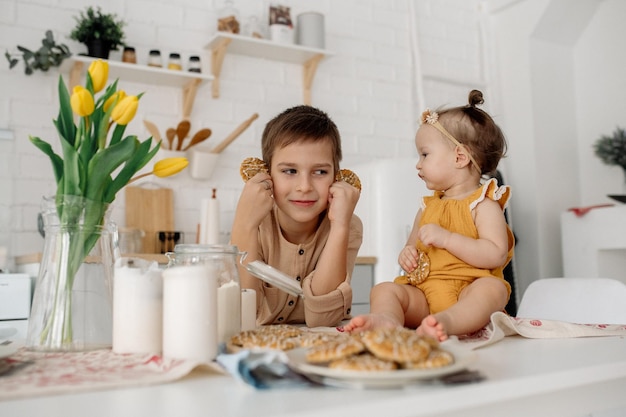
(75, 72)
(189, 95)
(217, 59)
(308, 73)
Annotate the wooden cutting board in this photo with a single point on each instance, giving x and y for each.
(151, 210)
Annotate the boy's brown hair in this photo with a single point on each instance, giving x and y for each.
(300, 124)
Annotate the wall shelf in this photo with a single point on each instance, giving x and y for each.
(223, 43)
(188, 81)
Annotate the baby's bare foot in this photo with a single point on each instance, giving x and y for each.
(369, 321)
(432, 327)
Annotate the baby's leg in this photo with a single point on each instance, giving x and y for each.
(391, 305)
(477, 302)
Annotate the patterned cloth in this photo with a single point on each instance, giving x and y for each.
(45, 373)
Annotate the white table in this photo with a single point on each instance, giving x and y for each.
(525, 377)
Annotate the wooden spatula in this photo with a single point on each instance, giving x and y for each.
(170, 134)
(200, 136)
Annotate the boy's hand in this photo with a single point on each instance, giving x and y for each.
(256, 200)
(342, 200)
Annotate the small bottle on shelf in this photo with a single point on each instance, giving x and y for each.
(129, 55)
(154, 59)
(174, 62)
(194, 64)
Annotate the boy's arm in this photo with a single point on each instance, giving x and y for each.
(332, 267)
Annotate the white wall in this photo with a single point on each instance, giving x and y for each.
(551, 71)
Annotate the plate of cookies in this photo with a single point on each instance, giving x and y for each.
(380, 358)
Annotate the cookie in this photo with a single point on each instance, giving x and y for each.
(349, 177)
(309, 339)
(252, 166)
(397, 344)
(333, 350)
(420, 273)
(437, 358)
(363, 362)
(283, 337)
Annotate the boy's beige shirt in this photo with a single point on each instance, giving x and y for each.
(275, 306)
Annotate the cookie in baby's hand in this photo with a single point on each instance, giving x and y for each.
(252, 166)
(349, 177)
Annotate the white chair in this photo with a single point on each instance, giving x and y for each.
(575, 300)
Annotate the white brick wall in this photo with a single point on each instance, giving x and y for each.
(367, 87)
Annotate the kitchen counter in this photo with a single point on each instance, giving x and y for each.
(556, 377)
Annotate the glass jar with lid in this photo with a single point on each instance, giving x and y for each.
(174, 62)
(194, 64)
(223, 262)
(154, 58)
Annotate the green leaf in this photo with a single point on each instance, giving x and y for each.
(118, 132)
(71, 170)
(65, 121)
(140, 158)
(57, 161)
(104, 163)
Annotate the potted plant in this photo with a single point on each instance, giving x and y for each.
(612, 149)
(50, 54)
(100, 32)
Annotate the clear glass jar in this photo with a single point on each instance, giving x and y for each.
(223, 259)
(174, 62)
(194, 64)
(154, 58)
(228, 18)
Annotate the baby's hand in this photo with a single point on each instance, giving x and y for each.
(408, 258)
(433, 235)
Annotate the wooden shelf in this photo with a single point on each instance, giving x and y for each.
(223, 43)
(187, 81)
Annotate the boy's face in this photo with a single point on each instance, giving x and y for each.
(302, 174)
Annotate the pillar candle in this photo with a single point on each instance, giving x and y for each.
(190, 312)
(248, 309)
(137, 306)
(210, 220)
(229, 311)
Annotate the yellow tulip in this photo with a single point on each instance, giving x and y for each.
(125, 110)
(169, 166)
(118, 95)
(82, 101)
(99, 72)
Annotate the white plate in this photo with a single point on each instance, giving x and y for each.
(274, 277)
(378, 379)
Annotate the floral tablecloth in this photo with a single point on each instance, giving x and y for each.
(38, 373)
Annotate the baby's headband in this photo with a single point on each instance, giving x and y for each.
(432, 118)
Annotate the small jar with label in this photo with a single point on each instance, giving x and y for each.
(129, 55)
(194, 64)
(154, 59)
(174, 62)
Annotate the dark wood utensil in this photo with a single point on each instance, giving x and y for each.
(200, 136)
(182, 131)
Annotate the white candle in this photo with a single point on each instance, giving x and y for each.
(210, 220)
(229, 311)
(248, 309)
(137, 306)
(190, 312)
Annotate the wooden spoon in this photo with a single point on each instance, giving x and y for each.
(182, 131)
(200, 136)
(235, 133)
(170, 134)
(153, 129)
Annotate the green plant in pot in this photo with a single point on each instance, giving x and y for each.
(612, 149)
(100, 32)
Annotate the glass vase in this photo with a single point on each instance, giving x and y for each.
(72, 301)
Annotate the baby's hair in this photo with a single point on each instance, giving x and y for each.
(475, 129)
(300, 124)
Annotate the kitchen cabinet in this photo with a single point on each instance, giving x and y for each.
(224, 43)
(188, 81)
(362, 283)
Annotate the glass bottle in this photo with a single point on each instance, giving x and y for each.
(223, 261)
(228, 18)
(174, 62)
(194, 64)
(129, 55)
(154, 59)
